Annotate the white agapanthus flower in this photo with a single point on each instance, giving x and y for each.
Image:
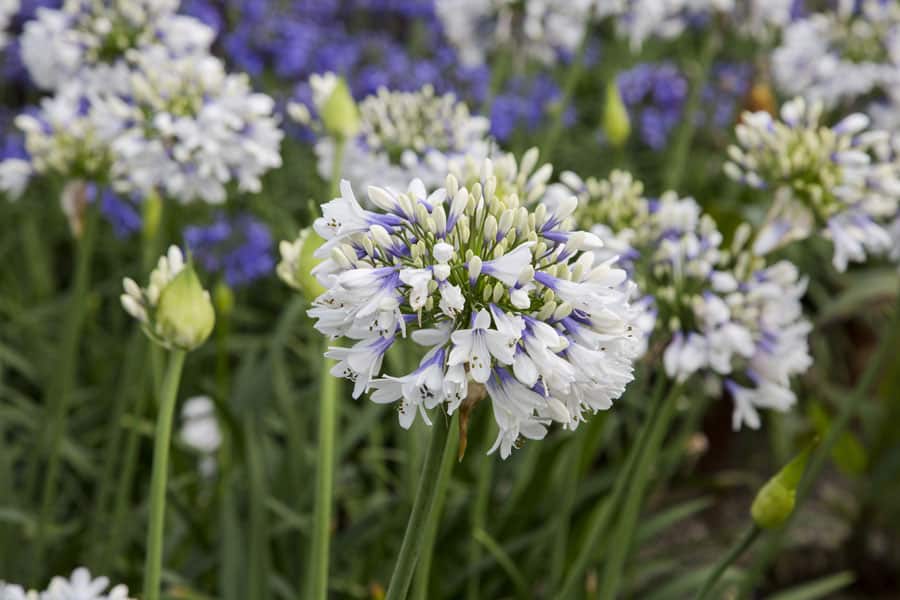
(714, 311)
(840, 55)
(90, 39)
(81, 585)
(8, 10)
(842, 180)
(404, 136)
(538, 29)
(70, 136)
(204, 129)
(509, 302)
(9, 591)
(640, 20)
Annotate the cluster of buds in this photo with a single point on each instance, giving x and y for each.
(843, 179)
(174, 309)
(510, 302)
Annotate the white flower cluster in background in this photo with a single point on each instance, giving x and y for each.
(539, 29)
(842, 55)
(405, 136)
(640, 20)
(90, 40)
(508, 301)
(80, 586)
(140, 104)
(720, 312)
(200, 431)
(842, 180)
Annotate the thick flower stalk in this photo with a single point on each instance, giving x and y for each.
(842, 181)
(504, 298)
(721, 312)
(90, 40)
(399, 136)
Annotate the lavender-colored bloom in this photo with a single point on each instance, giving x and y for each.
(722, 96)
(238, 248)
(654, 95)
(523, 104)
(121, 214)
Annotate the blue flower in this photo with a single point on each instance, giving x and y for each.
(238, 248)
(654, 95)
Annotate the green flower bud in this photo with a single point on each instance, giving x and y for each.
(775, 501)
(184, 316)
(298, 261)
(223, 298)
(339, 113)
(616, 124)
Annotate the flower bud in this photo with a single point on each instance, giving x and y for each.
(223, 298)
(775, 501)
(297, 262)
(184, 316)
(616, 124)
(338, 111)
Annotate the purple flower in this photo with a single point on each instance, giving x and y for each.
(238, 248)
(654, 95)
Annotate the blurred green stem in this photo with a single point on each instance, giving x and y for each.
(681, 146)
(623, 535)
(852, 401)
(158, 480)
(737, 549)
(321, 538)
(600, 517)
(423, 513)
(420, 585)
(63, 380)
(573, 74)
(479, 515)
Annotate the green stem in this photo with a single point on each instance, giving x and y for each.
(737, 549)
(623, 535)
(681, 146)
(852, 401)
(321, 538)
(479, 517)
(161, 445)
(572, 468)
(600, 517)
(559, 111)
(60, 391)
(423, 513)
(420, 585)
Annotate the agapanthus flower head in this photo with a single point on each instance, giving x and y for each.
(509, 302)
(238, 248)
(205, 129)
(542, 30)
(9, 591)
(90, 40)
(654, 95)
(841, 179)
(404, 136)
(200, 431)
(719, 312)
(297, 263)
(838, 56)
(70, 135)
(174, 309)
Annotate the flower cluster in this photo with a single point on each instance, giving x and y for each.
(8, 10)
(540, 29)
(510, 302)
(842, 55)
(200, 431)
(80, 586)
(240, 248)
(844, 179)
(717, 311)
(405, 136)
(654, 95)
(140, 105)
(174, 309)
(91, 41)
